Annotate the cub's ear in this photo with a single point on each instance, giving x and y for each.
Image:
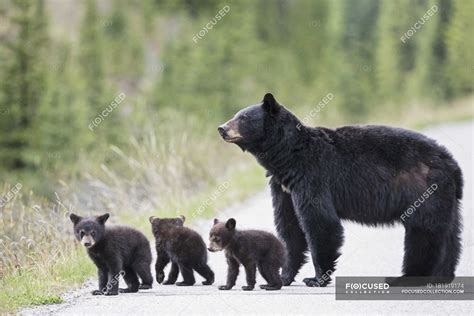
(270, 105)
(230, 225)
(103, 218)
(75, 218)
(181, 220)
(216, 221)
(152, 219)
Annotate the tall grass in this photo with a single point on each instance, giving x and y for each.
(33, 233)
(38, 257)
(150, 174)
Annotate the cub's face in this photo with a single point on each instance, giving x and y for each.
(247, 127)
(89, 230)
(159, 225)
(221, 234)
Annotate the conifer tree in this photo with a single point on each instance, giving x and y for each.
(24, 82)
(460, 48)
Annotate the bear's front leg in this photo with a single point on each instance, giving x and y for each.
(173, 274)
(112, 287)
(232, 273)
(161, 261)
(103, 278)
(113, 276)
(323, 233)
(289, 231)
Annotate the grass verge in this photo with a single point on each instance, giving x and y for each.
(38, 286)
(43, 284)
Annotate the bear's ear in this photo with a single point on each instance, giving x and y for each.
(103, 218)
(230, 225)
(270, 105)
(152, 219)
(75, 218)
(181, 220)
(216, 221)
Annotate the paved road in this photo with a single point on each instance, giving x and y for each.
(364, 249)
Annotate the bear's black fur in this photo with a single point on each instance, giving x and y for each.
(116, 251)
(251, 248)
(368, 174)
(183, 247)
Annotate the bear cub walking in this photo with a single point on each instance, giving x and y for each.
(116, 251)
(251, 248)
(183, 247)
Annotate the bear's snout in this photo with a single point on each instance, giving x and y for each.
(229, 131)
(222, 130)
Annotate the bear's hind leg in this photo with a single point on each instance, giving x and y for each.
(263, 272)
(271, 274)
(206, 272)
(452, 250)
(423, 251)
(250, 273)
(131, 279)
(144, 272)
(188, 275)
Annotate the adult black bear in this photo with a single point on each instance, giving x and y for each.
(373, 175)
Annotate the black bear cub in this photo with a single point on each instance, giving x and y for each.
(183, 247)
(251, 248)
(116, 251)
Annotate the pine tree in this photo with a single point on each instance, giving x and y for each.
(24, 86)
(358, 40)
(125, 43)
(395, 57)
(460, 46)
(61, 126)
(98, 95)
(91, 57)
(308, 37)
(423, 81)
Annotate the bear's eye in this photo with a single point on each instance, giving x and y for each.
(93, 234)
(217, 239)
(244, 117)
(82, 233)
